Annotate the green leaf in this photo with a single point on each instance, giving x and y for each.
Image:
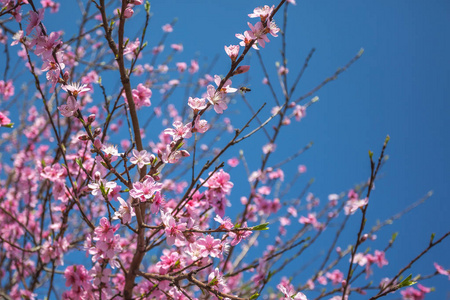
(432, 237)
(147, 6)
(213, 282)
(78, 161)
(261, 226)
(177, 264)
(254, 296)
(10, 125)
(407, 282)
(269, 276)
(394, 236)
(179, 146)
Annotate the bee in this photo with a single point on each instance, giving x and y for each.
(244, 89)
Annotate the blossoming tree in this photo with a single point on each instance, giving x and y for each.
(92, 208)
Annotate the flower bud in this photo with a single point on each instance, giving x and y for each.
(98, 144)
(66, 76)
(241, 70)
(128, 13)
(232, 51)
(364, 237)
(97, 131)
(83, 137)
(91, 119)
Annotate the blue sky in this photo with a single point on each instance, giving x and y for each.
(399, 87)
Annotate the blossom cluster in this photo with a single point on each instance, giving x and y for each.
(148, 230)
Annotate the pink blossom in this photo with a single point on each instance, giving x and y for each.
(77, 276)
(35, 20)
(54, 173)
(179, 131)
(333, 198)
(241, 70)
(168, 262)
(232, 51)
(76, 89)
(215, 279)
(53, 69)
(268, 148)
(100, 275)
(292, 211)
(177, 47)
(217, 99)
(412, 294)
(54, 6)
(46, 45)
(299, 112)
(239, 235)
(209, 246)
(258, 33)
(174, 231)
(197, 103)
(233, 162)
(336, 277)
(201, 126)
(226, 86)
(441, 270)
(194, 67)
(288, 291)
(378, 258)
(141, 96)
(262, 12)
(105, 231)
(277, 174)
(125, 211)
(220, 180)
(311, 219)
(246, 39)
(157, 49)
(273, 28)
(17, 38)
(145, 190)
(141, 158)
(128, 13)
(322, 280)
(282, 70)
(352, 205)
(225, 223)
(167, 28)
(360, 259)
(111, 151)
(181, 66)
(54, 250)
(4, 120)
(69, 109)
